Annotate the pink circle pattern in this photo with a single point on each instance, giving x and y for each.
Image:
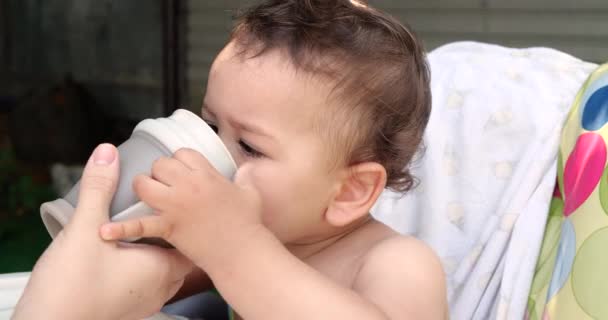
(583, 170)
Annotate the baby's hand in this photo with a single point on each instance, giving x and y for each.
(198, 211)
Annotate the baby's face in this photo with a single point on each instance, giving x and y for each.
(265, 114)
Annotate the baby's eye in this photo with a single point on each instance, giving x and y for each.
(249, 151)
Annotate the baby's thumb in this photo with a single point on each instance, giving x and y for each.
(245, 179)
(244, 176)
(97, 187)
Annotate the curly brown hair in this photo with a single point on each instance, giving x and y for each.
(377, 65)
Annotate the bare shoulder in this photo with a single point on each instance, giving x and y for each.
(404, 277)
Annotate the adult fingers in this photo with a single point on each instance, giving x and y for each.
(97, 187)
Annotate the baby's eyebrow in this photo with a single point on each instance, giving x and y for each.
(249, 127)
(254, 129)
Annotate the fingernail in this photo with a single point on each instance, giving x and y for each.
(104, 154)
(106, 233)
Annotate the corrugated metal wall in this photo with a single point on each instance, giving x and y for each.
(579, 27)
(209, 24)
(114, 48)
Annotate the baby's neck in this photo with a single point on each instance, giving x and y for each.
(307, 250)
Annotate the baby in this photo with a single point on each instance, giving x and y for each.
(323, 104)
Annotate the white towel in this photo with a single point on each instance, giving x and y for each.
(11, 287)
(488, 173)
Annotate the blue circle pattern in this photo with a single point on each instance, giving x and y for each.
(564, 260)
(594, 104)
(595, 112)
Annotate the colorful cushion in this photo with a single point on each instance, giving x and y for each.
(571, 276)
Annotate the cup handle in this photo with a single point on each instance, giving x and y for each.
(56, 214)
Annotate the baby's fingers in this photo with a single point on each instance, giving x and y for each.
(146, 227)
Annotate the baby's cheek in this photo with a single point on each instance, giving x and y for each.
(267, 220)
(274, 211)
(280, 192)
(270, 209)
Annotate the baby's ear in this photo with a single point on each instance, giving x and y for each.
(358, 190)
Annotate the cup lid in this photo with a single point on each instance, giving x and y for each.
(184, 129)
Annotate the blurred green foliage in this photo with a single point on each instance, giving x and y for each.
(22, 234)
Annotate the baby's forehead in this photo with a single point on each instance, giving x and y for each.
(270, 79)
(270, 91)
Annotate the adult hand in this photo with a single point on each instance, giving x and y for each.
(80, 276)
